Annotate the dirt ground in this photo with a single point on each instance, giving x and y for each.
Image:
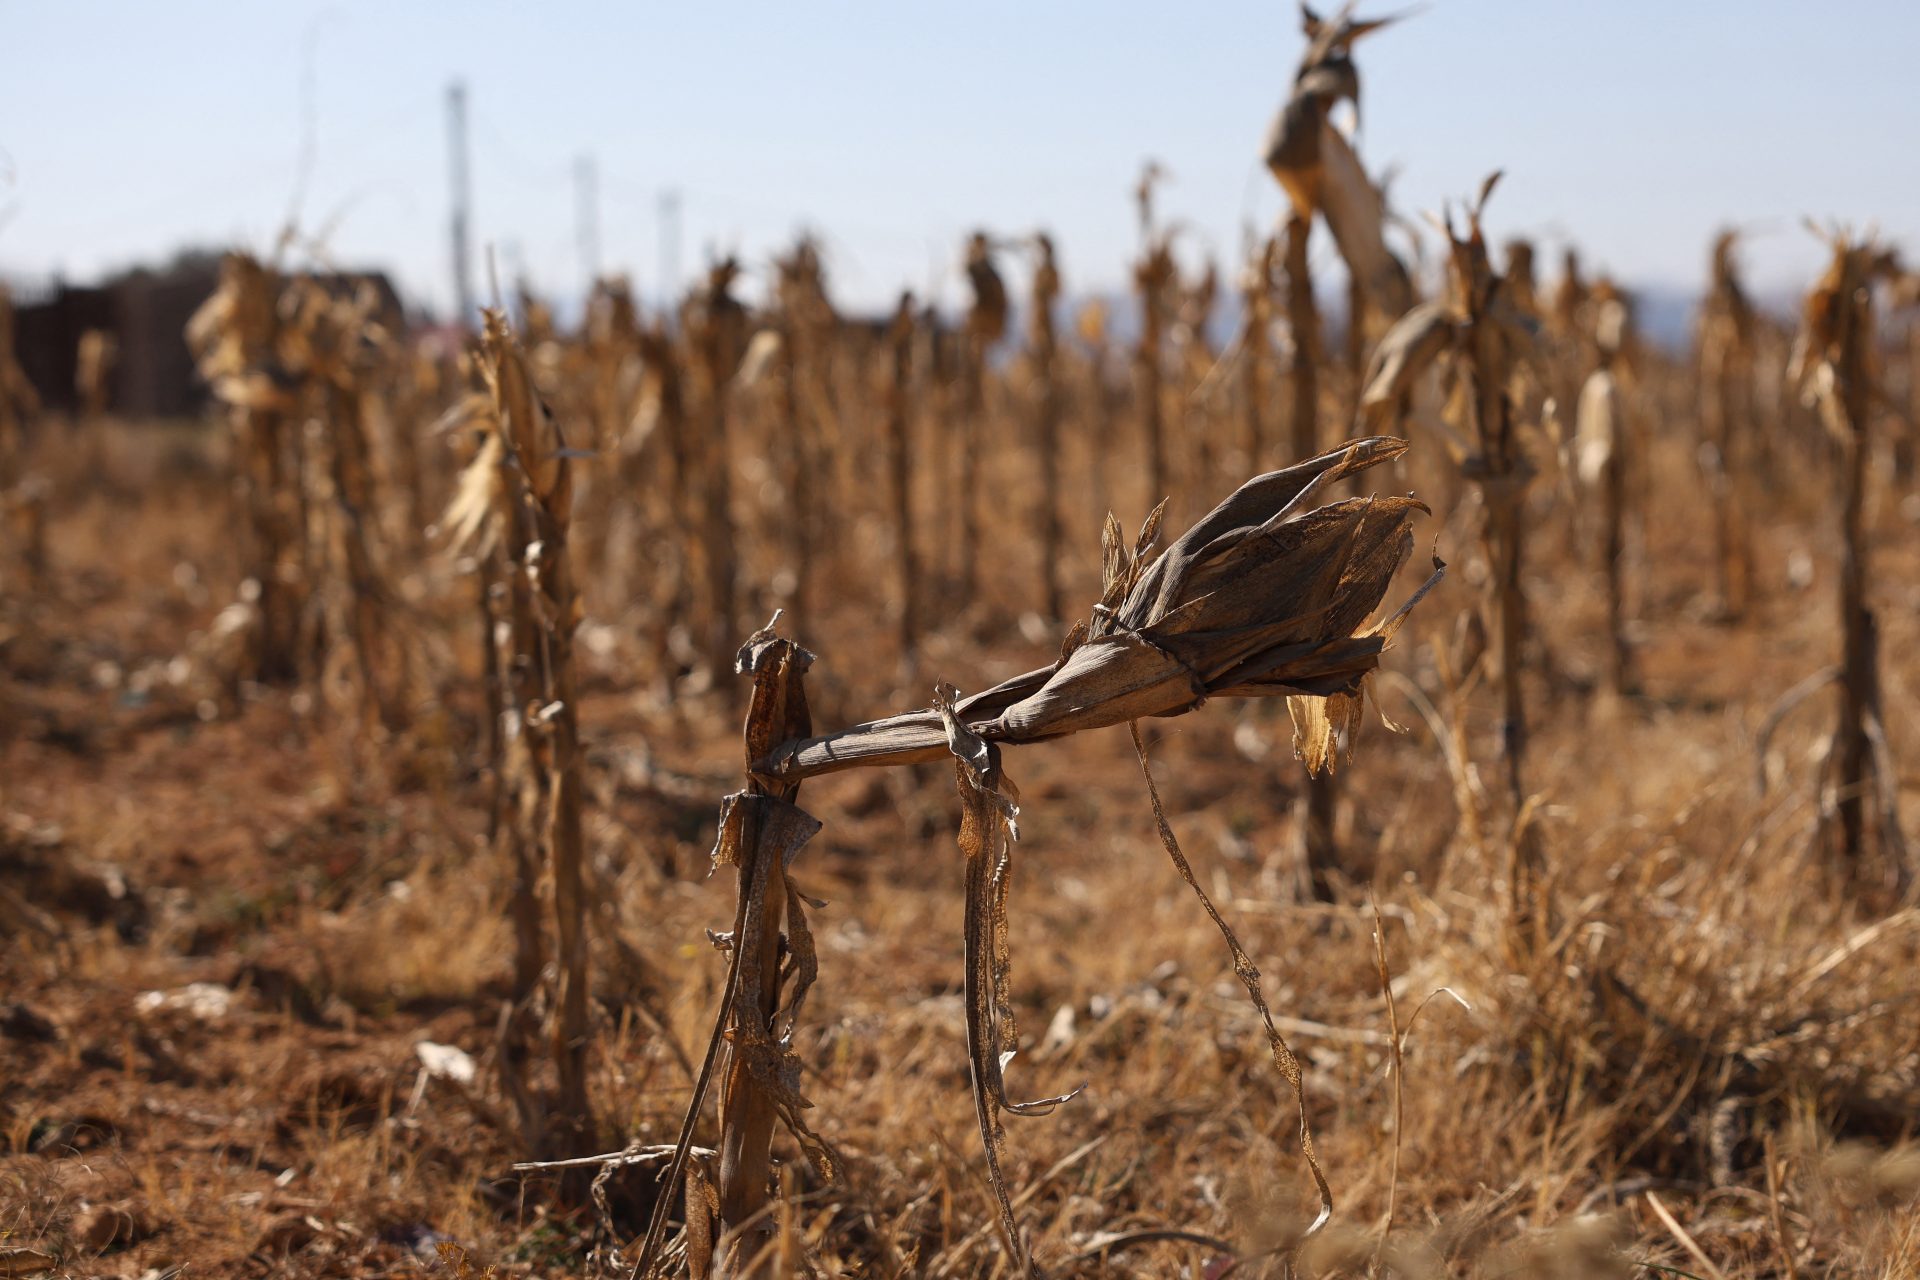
(235, 937)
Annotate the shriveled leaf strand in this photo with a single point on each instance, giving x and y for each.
(1249, 975)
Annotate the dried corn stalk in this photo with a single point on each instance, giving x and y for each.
(684, 512)
(1042, 348)
(1567, 313)
(805, 325)
(1834, 369)
(542, 500)
(1906, 449)
(302, 365)
(761, 831)
(1568, 358)
(899, 430)
(1724, 354)
(1531, 387)
(1316, 811)
(235, 337)
(482, 522)
(1266, 596)
(986, 325)
(1521, 287)
(1303, 325)
(335, 347)
(897, 398)
(1495, 337)
(1315, 163)
(1256, 311)
(1601, 441)
(1486, 337)
(1155, 278)
(716, 331)
(613, 520)
(1194, 360)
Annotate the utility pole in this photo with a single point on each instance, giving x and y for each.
(462, 205)
(586, 201)
(669, 248)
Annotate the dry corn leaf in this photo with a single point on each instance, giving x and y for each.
(1316, 165)
(1597, 426)
(1407, 350)
(526, 423)
(1264, 597)
(1356, 214)
(989, 806)
(472, 521)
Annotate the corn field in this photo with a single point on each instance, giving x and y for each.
(548, 803)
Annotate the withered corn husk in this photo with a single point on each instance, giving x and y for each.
(1265, 597)
(1316, 164)
(1325, 77)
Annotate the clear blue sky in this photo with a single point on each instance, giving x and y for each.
(129, 129)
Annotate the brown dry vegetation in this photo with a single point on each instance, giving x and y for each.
(1651, 1014)
(1721, 1023)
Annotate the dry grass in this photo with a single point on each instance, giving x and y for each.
(1701, 1035)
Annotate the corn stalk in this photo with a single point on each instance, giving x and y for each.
(684, 511)
(482, 523)
(986, 325)
(1724, 355)
(1154, 277)
(542, 509)
(1490, 340)
(761, 831)
(236, 338)
(1265, 597)
(805, 327)
(334, 346)
(1602, 438)
(1315, 164)
(899, 429)
(1318, 808)
(1042, 349)
(1256, 310)
(1486, 337)
(716, 329)
(1834, 367)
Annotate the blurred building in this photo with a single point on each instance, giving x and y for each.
(146, 311)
